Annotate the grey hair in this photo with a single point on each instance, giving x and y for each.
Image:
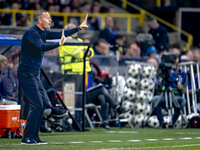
(3, 58)
(38, 15)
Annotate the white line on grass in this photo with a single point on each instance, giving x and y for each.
(122, 131)
(159, 147)
(151, 139)
(134, 140)
(197, 137)
(56, 143)
(96, 141)
(76, 142)
(186, 138)
(168, 139)
(114, 141)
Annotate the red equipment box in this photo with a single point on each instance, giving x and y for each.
(10, 118)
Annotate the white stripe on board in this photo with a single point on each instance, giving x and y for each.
(134, 140)
(151, 139)
(114, 141)
(168, 139)
(76, 142)
(96, 141)
(186, 138)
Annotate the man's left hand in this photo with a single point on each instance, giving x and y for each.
(179, 86)
(84, 24)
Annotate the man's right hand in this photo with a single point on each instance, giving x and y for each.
(63, 38)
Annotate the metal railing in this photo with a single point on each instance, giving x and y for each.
(144, 12)
(81, 15)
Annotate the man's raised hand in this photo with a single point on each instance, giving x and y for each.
(63, 38)
(84, 24)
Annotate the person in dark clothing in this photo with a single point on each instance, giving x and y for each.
(33, 46)
(159, 34)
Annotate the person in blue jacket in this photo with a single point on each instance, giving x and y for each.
(33, 46)
(178, 81)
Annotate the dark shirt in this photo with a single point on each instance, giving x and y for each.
(108, 35)
(33, 46)
(160, 37)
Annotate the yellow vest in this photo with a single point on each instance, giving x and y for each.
(72, 58)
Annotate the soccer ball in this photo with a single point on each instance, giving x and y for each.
(128, 116)
(127, 105)
(142, 95)
(148, 71)
(150, 96)
(134, 70)
(132, 83)
(153, 122)
(147, 84)
(167, 120)
(138, 120)
(129, 94)
(143, 108)
(179, 122)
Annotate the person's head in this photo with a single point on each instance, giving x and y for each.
(120, 39)
(133, 50)
(151, 52)
(196, 53)
(96, 9)
(175, 51)
(96, 3)
(3, 62)
(109, 22)
(42, 19)
(85, 7)
(111, 9)
(102, 47)
(152, 61)
(152, 23)
(66, 9)
(70, 26)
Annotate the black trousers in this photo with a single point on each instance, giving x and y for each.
(34, 90)
(101, 96)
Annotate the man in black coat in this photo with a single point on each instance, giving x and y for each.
(33, 46)
(159, 34)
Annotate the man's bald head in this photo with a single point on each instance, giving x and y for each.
(70, 26)
(152, 61)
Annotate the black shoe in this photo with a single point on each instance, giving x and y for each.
(106, 126)
(60, 112)
(122, 111)
(40, 141)
(28, 141)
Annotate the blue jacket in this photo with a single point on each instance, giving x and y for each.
(33, 46)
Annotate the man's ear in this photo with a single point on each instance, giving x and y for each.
(40, 20)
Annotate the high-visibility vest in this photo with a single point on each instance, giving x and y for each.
(72, 58)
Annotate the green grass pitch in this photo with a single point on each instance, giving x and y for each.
(115, 139)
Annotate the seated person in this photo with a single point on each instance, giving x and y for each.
(99, 95)
(177, 89)
(9, 86)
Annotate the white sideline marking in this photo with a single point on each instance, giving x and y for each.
(122, 131)
(186, 138)
(186, 133)
(76, 142)
(134, 140)
(197, 137)
(56, 143)
(96, 141)
(160, 147)
(114, 141)
(168, 139)
(152, 139)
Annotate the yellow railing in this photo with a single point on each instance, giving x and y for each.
(144, 12)
(81, 15)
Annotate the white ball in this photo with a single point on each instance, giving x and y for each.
(167, 120)
(143, 108)
(129, 94)
(148, 71)
(134, 70)
(127, 105)
(128, 116)
(142, 95)
(179, 121)
(138, 120)
(132, 83)
(147, 84)
(153, 122)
